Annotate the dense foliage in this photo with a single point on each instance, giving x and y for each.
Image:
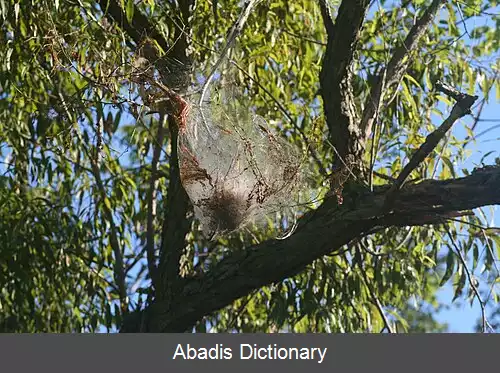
(90, 201)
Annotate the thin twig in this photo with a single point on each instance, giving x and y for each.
(238, 313)
(396, 67)
(305, 38)
(462, 18)
(461, 108)
(370, 251)
(481, 107)
(445, 145)
(471, 280)
(289, 117)
(118, 267)
(150, 229)
(375, 299)
(233, 34)
(375, 143)
(482, 227)
(405, 239)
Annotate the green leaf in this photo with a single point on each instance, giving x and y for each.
(3, 9)
(449, 165)
(475, 256)
(445, 99)
(107, 203)
(152, 5)
(459, 287)
(412, 79)
(16, 11)
(450, 265)
(129, 11)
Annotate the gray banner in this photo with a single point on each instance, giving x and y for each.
(224, 352)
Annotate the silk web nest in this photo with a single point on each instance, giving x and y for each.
(236, 171)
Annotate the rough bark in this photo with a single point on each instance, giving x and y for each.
(324, 231)
(176, 223)
(396, 68)
(182, 302)
(336, 79)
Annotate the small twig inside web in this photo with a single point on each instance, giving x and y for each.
(233, 34)
(235, 31)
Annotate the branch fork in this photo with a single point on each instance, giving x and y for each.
(462, 108)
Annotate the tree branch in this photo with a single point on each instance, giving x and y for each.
(336, 87)
(460, 109)
(472, 282)
(336, 74)
(138, 29)
(349, 136)
(321, 232)
(151, 199)
(396, 68)
(176, 224)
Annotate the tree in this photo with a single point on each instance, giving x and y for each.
(98, 232)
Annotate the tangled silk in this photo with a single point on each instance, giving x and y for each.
(235, 170)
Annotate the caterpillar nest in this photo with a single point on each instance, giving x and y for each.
(235, 169)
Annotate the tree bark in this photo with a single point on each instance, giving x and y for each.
(182, 302)
(321, 232)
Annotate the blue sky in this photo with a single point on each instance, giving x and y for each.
(462, 317)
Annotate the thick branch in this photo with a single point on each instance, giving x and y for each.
(139, 27)
(461, 108)
(399, 62)
(176, 224)
(336, 88)
(396, 68)
(336, 75)
(322, 232)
